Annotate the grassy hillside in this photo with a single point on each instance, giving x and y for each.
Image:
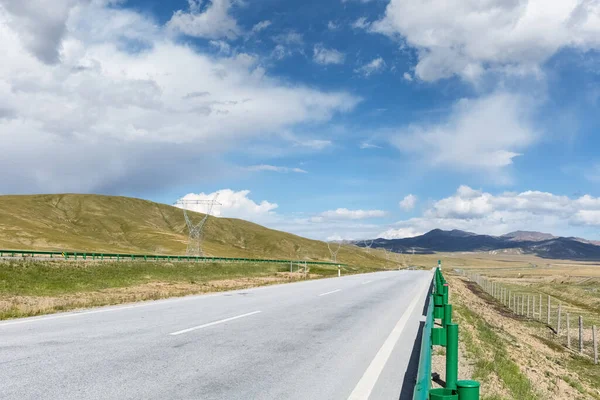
(121, 224)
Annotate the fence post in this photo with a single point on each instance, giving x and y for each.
(595, 340)
(540, 316)
(509, 293)
(568, 331)
(548, 310)
(580, 334)
(558, 322)
(528, 298)
(533, 307)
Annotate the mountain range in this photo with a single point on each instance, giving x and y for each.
(544, 245)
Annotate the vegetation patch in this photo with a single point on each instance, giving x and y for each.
(38, 287)
(491, 356)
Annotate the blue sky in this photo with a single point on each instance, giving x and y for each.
(331, 119)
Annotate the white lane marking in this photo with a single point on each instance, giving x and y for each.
(365, 282)
(365, 386)
(213, 323)
(333, 291)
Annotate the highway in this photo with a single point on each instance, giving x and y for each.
(340, 338)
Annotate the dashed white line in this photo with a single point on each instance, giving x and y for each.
(213, 323)
(365, 282)
(333, 291)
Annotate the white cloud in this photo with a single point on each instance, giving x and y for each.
(332, 26)
(367, 145)
(485, 213)
(400, 233)
(125, 107)
(361, 23)
(407, 77)
(221, 45)
(233, 205)
(212, 22)
(372, 67)
(482, 134)
(280, 52)
(274, 168)
(467, 38)
(40, 26)
(315, 144)
(289, 38)
(327, 56)
(344, 213)
(408, 202)
(261, 26)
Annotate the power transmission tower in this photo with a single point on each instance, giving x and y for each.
(334, 252)
(368, 246)
(196, 232)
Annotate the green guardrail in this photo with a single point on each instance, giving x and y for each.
(72, 255)
(446, 336)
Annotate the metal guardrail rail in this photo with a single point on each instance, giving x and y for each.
(423, 384)
(94, 256)
(445, 336)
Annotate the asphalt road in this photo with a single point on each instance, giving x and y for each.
(339, 338)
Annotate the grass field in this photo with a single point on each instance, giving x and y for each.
(33, 288)
(523, 357)
(110, 224)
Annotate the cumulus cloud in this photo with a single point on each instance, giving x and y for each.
(467, 38)
(408, 202)
(212, 22)
(486, 133)
(128, 108)
(376, 65)
(233, 204)
(407, 77)
(274, 168)
(344, 213)
(40, 24)
(482, 212)
(326, 56)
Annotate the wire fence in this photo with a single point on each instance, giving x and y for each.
(569, 326)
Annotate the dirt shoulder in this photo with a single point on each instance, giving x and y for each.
(509, 354)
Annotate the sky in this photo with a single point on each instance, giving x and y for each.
(331, 119)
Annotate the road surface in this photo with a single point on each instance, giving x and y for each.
(339, 338)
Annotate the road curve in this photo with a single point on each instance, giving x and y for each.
(339, 338)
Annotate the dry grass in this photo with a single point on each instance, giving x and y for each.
(509, 352)
(36, 287)
(111, 224)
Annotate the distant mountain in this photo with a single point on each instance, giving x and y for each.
(528, 236)
(519, 242)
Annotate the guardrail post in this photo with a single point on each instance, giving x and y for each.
(451, 356)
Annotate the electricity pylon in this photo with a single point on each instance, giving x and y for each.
(196, 231)
(334, 252)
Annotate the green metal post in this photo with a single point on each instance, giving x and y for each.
(468, 390)
(447, 315)
(451, 356)
(445, 291)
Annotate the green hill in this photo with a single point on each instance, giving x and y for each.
(96, 223)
